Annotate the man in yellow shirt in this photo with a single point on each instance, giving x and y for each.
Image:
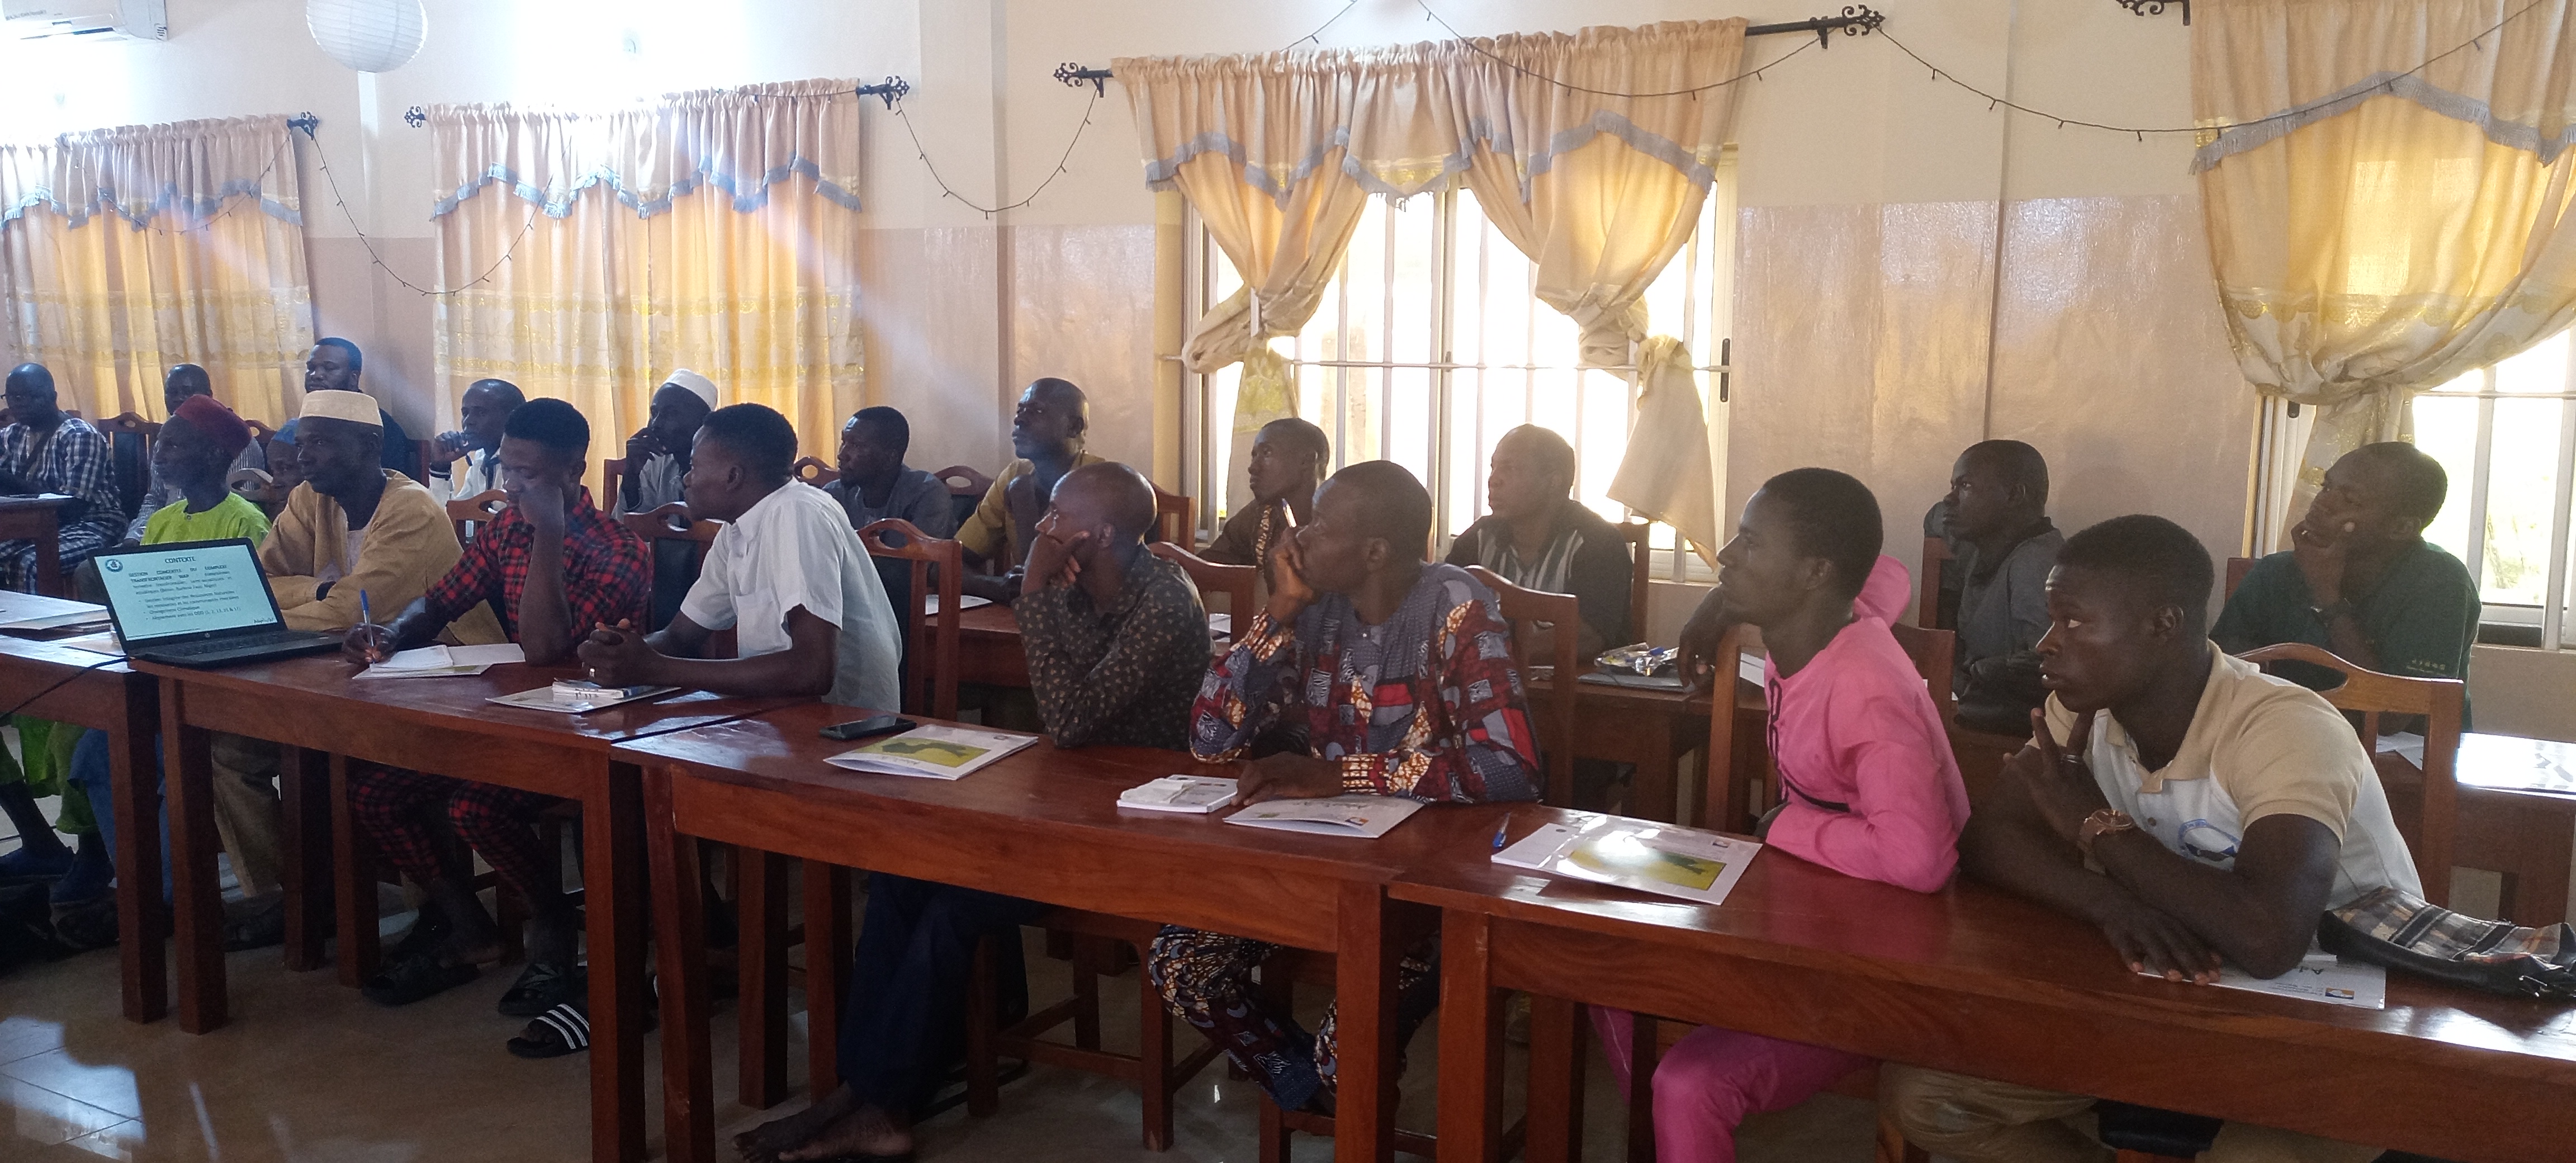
(1047, 432)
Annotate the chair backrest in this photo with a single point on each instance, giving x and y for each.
(672, 522)
(1641, 572)
(966, 488)
(813, 471)
(2371, 694)
(260, 432)
(1933, 652)
(611, 471)
(1175, 516)
(2237, 568)
(1236, 582)
(1524, 608)
(1721, 797)
(1927, 596)
(130, 438)
(421, 451)
(933, 652)
(466, 512)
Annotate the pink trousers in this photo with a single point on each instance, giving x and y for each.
(1711, 1079)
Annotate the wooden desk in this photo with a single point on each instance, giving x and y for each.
(2506, 825)
(1041, 824)
(1652, 729)
(1971, 980)
(444, 726)
(988, 647)
(39, 519)
(126, 705)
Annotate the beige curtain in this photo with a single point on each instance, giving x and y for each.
(2379, 228)
(1278, 151)
(123, 251)
(584, 256)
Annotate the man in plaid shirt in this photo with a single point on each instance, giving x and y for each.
(45, 450)
(1382, 675)
(552, 566)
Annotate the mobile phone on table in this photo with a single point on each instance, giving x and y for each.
(868, 728)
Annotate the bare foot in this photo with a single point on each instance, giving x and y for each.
(763, 1143)
(867, 1133)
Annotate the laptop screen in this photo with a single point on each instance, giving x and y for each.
(201, 588)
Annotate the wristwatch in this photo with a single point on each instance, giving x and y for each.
(2100, 824)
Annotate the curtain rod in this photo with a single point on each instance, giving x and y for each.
(1856, 20)
(890, 90)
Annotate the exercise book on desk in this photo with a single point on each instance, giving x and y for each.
(443, 661)
(1368, 817)
(2319, 976)
(1195, 795)
(932, 751)
(1689, 863)
(575, 697)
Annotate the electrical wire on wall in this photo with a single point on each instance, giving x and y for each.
(323, 162)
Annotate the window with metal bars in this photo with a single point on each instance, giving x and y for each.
(1430, 345)
(2506, 434)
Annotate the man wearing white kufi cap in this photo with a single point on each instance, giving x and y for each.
(657, 456)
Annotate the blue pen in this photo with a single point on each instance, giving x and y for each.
(1503, 832)
(363, 615)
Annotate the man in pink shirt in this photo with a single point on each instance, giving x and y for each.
(1868, 786)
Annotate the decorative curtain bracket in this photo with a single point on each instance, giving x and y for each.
(2156, 7)
(1856, 20)
(416, 116)
(304, 121)
(1073, 75)
(892, 90)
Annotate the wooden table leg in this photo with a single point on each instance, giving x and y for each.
(353, 878)
(197, 906)
(612, 873)
(688, 1085)
(762, 953)
(827, 950)
(1471, 1042)
(133, 778)
(1364, 998)
(49, 557)
(1556, 1081)
(304, 789)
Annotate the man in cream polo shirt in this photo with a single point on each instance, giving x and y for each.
(2188, 805)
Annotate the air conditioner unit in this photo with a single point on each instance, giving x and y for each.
(91, 19)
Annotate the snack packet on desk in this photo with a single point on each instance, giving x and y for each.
(1640, 658)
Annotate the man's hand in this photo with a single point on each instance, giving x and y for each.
(1698, 659)
(1051, 561)
(447, 448)
(640, 447)
(2152, 942)
(367, 642)
(2059, 782)
(1287, 776)
(1290, 592)
(2320, 544)
(617, 656)
(541, 505)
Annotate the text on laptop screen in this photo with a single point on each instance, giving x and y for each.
(185, 591)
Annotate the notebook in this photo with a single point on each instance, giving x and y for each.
(1363, 816)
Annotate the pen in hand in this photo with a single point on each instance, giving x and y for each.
(1502, 833)
(368, 619)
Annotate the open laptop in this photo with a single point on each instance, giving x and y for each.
(199, 603)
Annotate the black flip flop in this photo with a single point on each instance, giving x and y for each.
(414, 978)
(565, 1029)
(542, 988)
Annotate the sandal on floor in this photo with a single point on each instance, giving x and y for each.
(542, 988)
(565, 1029)
(427, 933)
(257, 924)
(87, 924)
(403, 982)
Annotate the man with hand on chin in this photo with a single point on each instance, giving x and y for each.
(1382, 675)
(1115, 636)
(2193, 808)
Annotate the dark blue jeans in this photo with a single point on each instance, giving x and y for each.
(907, 1007)
(89, 771)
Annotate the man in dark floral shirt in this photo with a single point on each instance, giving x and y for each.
(1116, 638)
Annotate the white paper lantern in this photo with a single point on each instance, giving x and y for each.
(371, 36)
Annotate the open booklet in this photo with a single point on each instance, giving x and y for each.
(576, 697)
(1659, 858)
(932, 751)
(1366, 816)
(442, 661)
(2320, 976)
(1191, 794)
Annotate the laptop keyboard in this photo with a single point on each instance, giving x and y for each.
(227, 645)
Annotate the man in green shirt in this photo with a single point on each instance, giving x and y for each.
(2360, 580)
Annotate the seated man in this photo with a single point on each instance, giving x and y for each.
(657, 461)
(1047, 432)
(1868, 784)
(1117, 645)
(1539, 537)
(2360, 580)
(1331, 663)
(787, 574)
(1997, 511)
(875, 484)
(2190, 806)
(285, 472)
(184, 381)
(198, 446)
(552, 566)
(334, 366)
(485, 413)
(354, 529)
(1288, 459)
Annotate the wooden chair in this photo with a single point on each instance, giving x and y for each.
(611, 471)
(133, 471)
(1934, 652)
(966, 488)
(672, 522)
(1641, 575)
(2371, 694)
(1236, 582)
(933, 650)
(466, 512)
(420, 454)
(1526, 610)
(1175, 517)
(1927, 594)
(2237, 568)
(813, 471)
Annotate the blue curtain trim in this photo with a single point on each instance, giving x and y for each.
(558, 203)
(1481, 133)
(140, 218)
(2409, 87)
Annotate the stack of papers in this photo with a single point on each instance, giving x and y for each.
(1689, 863)
(442, 661)
(933, 752)
(1363, 816)
(1194, 794)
